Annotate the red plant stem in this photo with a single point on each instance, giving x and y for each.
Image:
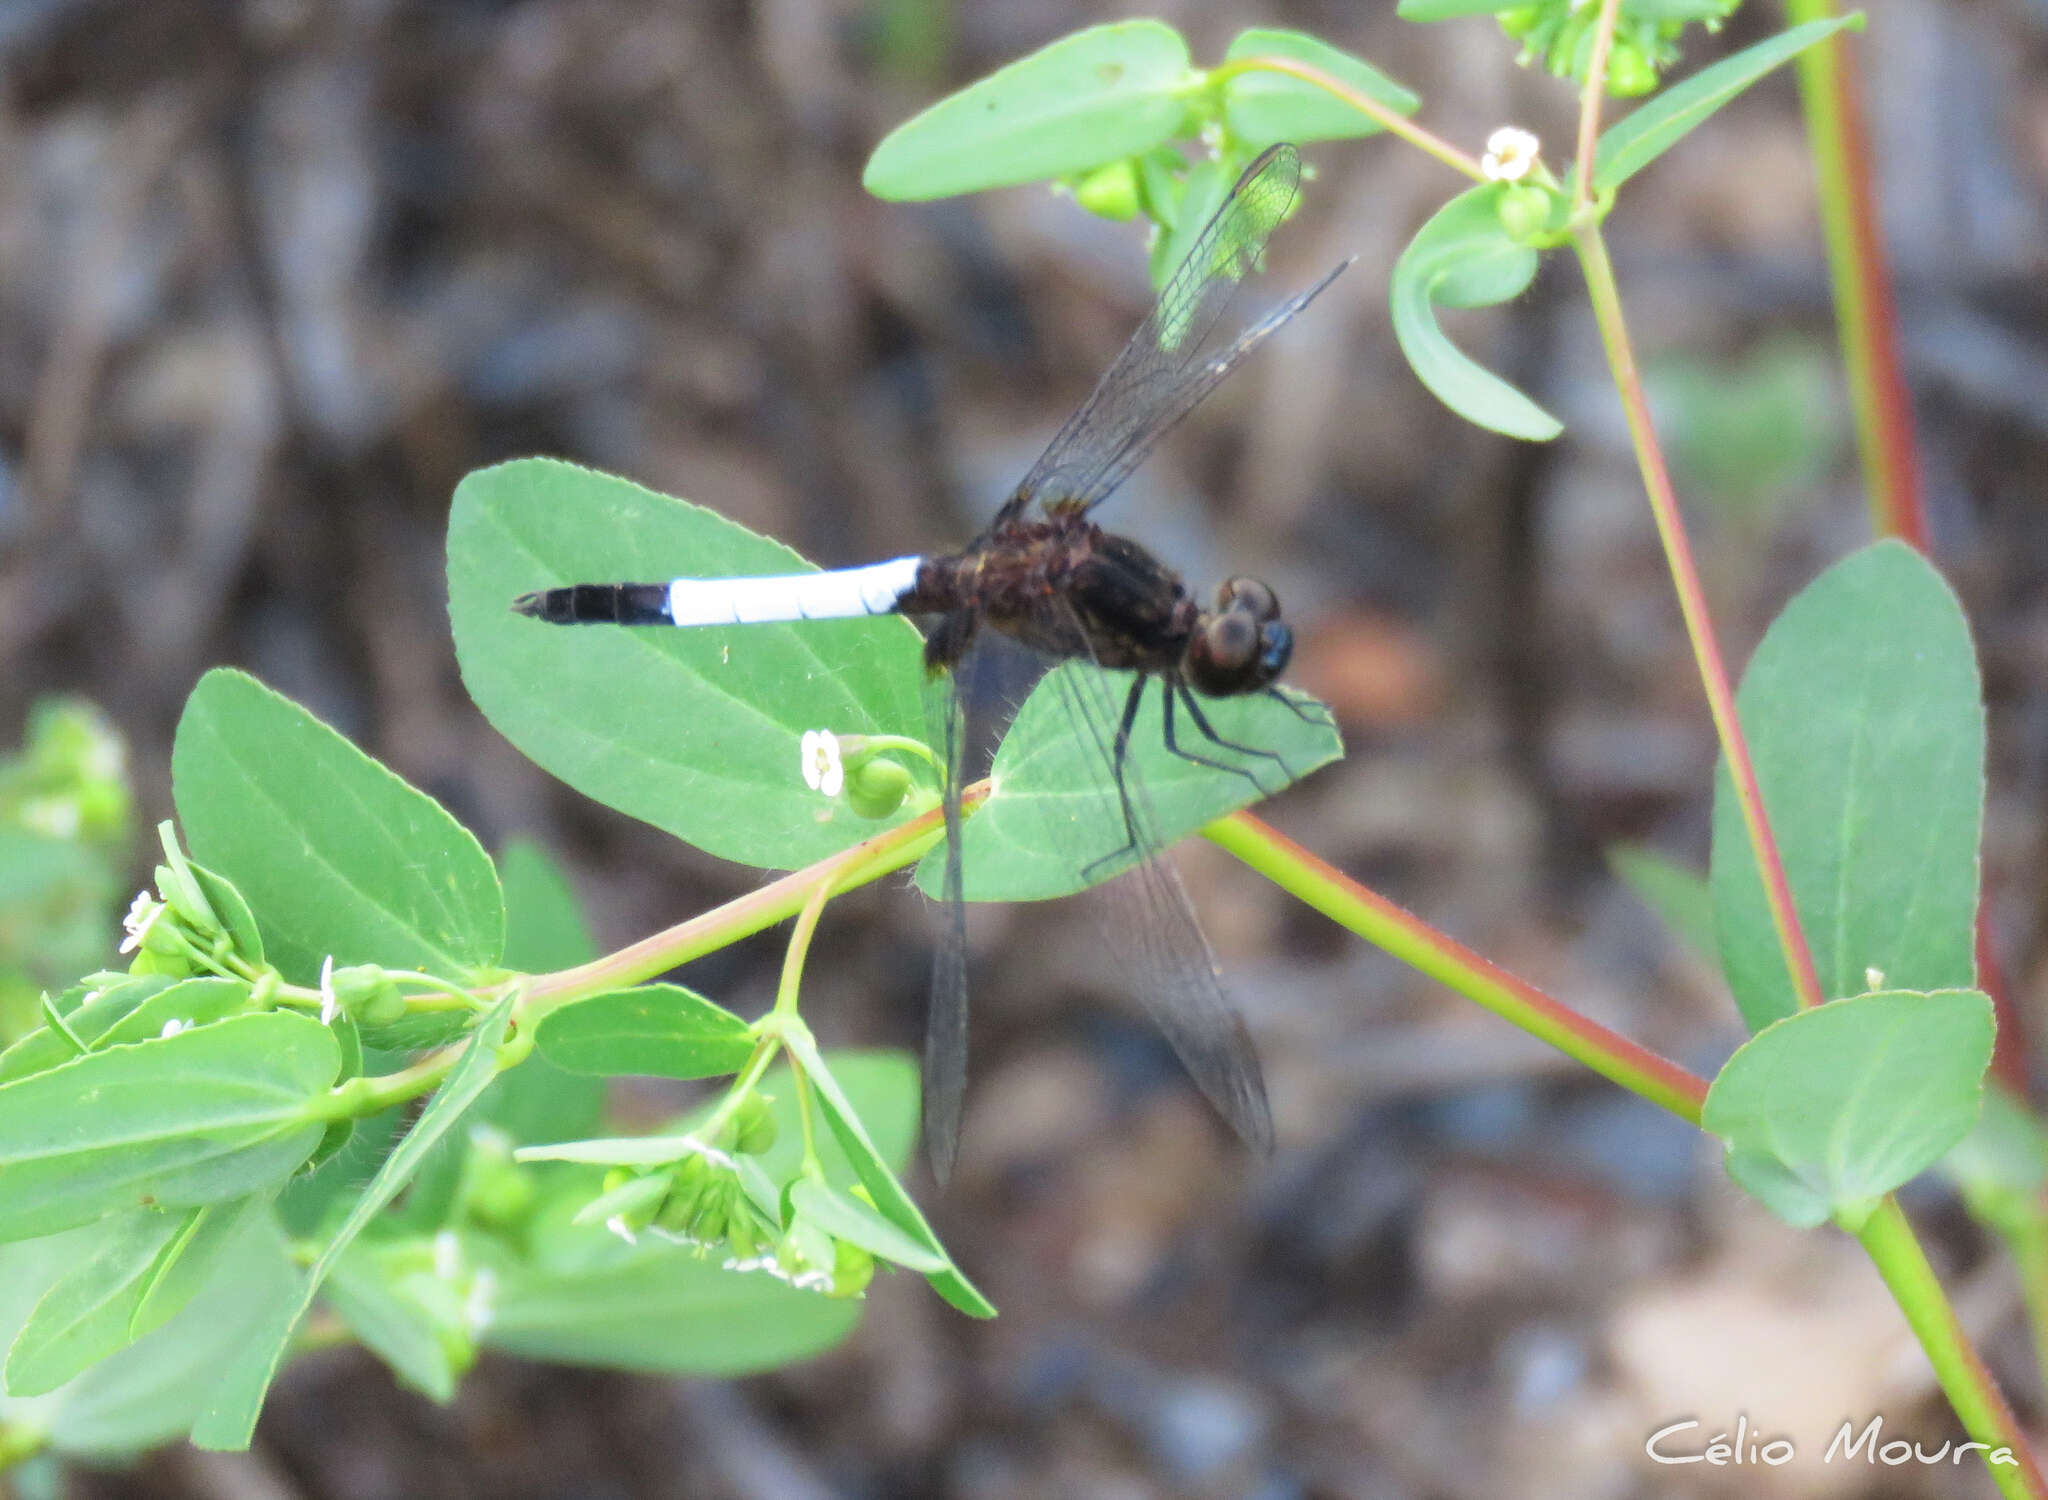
(1417, 944)
(1692, 604)
(1590, 94)
(1865, 315)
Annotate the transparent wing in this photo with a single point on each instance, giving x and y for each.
(1162, 372)
(1153, 931)
(945, 1027)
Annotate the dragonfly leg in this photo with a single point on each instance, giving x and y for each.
(1118, 751)
(1308, 715)
(1186, 695)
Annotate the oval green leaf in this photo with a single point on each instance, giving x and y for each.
(1463, 258)
(337, 855)
(1865, 720)
(696, 731)
(652, 1030)
(95, 1011)
(1826, 1111)
(1264, 108)
(1093, 97)
(1054, 810)
(207, 1114)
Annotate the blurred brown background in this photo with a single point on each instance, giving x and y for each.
(275, 274)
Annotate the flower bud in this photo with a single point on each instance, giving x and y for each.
(1110, 192)
(754, 1127)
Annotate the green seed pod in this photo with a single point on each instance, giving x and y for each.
(852, 1269)
(1629, 73)
(368, 995)
(1110, 192)
(876, 788)
(1524, 211)
(1517, 21)
(175, 965)
(754, 1127)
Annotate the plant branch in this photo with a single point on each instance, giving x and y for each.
(754, 912)
(1391, 121)
(1887, 1237)
(1417, 944)
(1692, 604)
(1866, 319)
(1590, 95)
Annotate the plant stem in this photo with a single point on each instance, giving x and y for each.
(1692, 603)
(1866, 319)
(749, 914)
(1408, 938)
(1391, 121)
(1887, 1237)
(1590, 95)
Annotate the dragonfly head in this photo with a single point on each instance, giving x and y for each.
(1240, 646)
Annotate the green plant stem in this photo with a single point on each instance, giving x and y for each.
(799, 948)
(1590, 94)
(749, 914)
(1692, 604)
(1408, 938)
(1391, 121)
(2028, 1245)
(1865, 318)
(1887, 1237)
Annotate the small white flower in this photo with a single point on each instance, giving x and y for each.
(172, 1027)
(1510, 153)
(447, 1254)
(1873, 979)
(142, 915)
(329, 1002)
(823, 770)
(617, 1225)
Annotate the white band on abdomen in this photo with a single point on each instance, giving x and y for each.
(844, 593)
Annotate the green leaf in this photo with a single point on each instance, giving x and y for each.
(1055, 809)
(696, 731)
(544, 930)
(88, 1020)
(1865, 720)
(148, 1392)
(1463, 258)
(847, 1218)
(337, 854)
(190, 1002)
(236, 920)
(361, 1290)
(1264, 108)
(146, 1265)
(873, 1170)
(1674, 892)
(1826, 1111)
(2002, 1165)
(207, 1114)
(230, 1415)
(652, 1030)
(1648, 132)
(1093, 97)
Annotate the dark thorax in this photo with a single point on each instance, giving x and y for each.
(1067, 588)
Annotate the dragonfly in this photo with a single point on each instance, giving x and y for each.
(1043, 574)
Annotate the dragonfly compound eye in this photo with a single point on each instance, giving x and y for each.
(1249, 596)
(1223, 657)
(1276, 647)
